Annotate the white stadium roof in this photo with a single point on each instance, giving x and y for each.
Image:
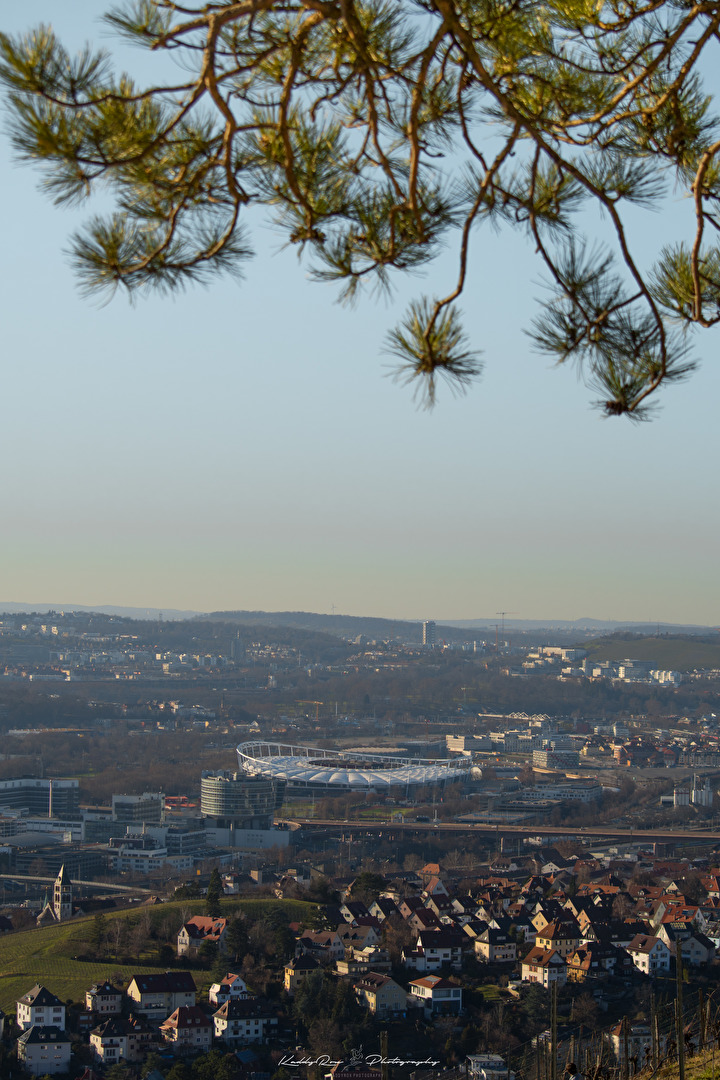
(334, 768)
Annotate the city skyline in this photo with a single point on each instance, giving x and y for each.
(243, 448)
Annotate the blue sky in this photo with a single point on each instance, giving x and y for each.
(243, 447)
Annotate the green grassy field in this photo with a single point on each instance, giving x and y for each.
(46, 956)
(49, 956)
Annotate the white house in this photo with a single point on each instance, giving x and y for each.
(649, 954)
(158, 995)
(244, 1021)
(40, 1008)
(109, 1041)
(437, 996)
(544, 966)
(43, 1050)
(198, 930)
(488, 1067)
(231, 988)
(639, 1041)
(104, 999)
(495, 947)
(434, 950)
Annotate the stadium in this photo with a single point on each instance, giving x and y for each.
(308, 768)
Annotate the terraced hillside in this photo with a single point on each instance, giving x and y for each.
(51, 955)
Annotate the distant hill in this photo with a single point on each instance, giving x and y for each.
(523, 631)
(579, 625)
(345, 626)
(668, 652)
(9, 607)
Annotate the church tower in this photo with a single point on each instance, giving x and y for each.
(62, 896)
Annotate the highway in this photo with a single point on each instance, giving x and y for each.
(500, 829)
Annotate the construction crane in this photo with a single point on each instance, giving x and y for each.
(503, 613)
(317, 705)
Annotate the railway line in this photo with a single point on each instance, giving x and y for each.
(610, 832)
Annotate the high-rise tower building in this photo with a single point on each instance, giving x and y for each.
(428, 634)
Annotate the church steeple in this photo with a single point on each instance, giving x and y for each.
(62, 896)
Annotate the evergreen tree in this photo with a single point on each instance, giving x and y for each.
(214, 892)
(377, 133)
(236, 937)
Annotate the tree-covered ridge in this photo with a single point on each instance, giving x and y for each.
(377, 132)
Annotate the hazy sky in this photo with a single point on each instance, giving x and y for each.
(242, 447)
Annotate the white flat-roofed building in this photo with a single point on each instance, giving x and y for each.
(438, 996)
(488, 1067)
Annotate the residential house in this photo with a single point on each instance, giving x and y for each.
(44, 1050)
(597, 961)
(41, 1009)
(358, 937)
(430, 870)
(464, 908)
(544, 967)
(109, 1041)
(188, 1030)
(325, 945)
(104, 999)
(248, 1020)
(697, 949)
(141, 1038)
(488, 1067)
(711, 885)
(475, 927)
(383, 908)
(674, 911)
(156, 996)
(712, 932)
(423, 919)
(639, 1043)
(495, 947)
(442, 906)
(352, 910)
(197, 931)
(231, 987)
(373, 958)
(434, 887)
(352, 966)
(649, 954)
(297, 971)
(380, 995)
(437, 996)
(562, 935)
(410, 904)
(436, 949)
(618, 932)
(546, 912)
